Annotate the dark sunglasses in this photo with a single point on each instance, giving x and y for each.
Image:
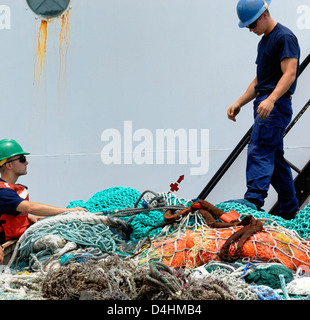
(22, 159)
(253, 24)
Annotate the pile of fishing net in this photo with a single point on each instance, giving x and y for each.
(77, 255)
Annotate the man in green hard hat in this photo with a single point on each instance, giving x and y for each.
(17, 213)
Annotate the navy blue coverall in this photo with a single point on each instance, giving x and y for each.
(265, 163)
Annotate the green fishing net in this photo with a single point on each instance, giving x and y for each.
(118, 198)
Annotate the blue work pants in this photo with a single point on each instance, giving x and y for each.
(265, 160)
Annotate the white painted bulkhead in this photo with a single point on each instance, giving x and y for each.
(137, 72)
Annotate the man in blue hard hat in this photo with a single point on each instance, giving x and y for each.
(275, 82)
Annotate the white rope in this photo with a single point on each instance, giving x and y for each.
(83, 216)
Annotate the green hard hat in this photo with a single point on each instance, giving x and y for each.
(10, 148)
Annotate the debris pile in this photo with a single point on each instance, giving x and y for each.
(126, 249)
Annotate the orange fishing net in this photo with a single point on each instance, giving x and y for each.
(193, 248)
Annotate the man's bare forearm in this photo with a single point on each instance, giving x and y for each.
(249, 94)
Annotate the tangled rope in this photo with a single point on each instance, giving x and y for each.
(84, 229)
(103, 280)
(113, 278)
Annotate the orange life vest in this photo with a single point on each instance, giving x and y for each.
(15, 226)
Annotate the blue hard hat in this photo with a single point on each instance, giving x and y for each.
(250, 10)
